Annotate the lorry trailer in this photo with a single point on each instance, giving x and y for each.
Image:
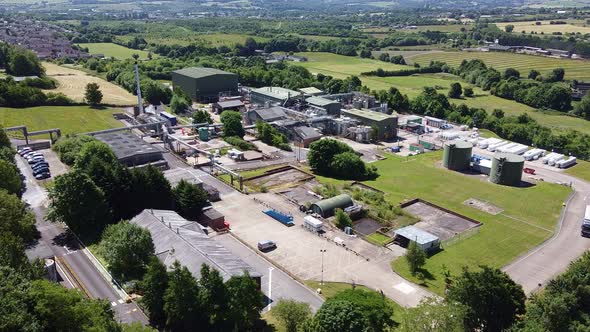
(564, 163)
(533, 154)
(586, 222)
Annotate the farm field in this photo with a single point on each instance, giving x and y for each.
(177, 35)
(529, 215)
(574, 69)
(419, 28)
(572, 26)
(340, 66)
(70, 119)
(72, 83)
(115, 51)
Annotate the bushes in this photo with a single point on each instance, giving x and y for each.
(270, 135)
(333, 158)
(239, 143)
(68, 148)
(434, 67)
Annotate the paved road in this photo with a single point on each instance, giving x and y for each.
(282, 285)
(55, 241)
(551, 258)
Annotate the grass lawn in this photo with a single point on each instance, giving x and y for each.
(70, 119)
(378, 239)
(529, 215)
(574, 69)
(340, 66)
(581, 170)
(114, 50)
(485, 133)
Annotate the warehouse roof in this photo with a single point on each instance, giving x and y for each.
(367, 114)
(311, 91)
(198, 72)
(125, 144)
(319, 101)
(176, 238)
(305, 132)
(416, 234)
(337, 202)
(230, 103)
(271, 113)
(276, 92)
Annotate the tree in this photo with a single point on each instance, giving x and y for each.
(127, 249)
(245, 302)
(498, 113)
(455, 91)
(339, 316)
(215, 295)
(12, 253)
(93, 95)
(95, 150)
(15, 218)
(14, 304)
(348, 165)
(509, 28)
(556, 75)
(190, 199)
(76, 201)
(4, 140)
(365, 53)
(321, 154)
(9, 178)
(135, 56)
(468, 91)
(232, 124)
(342, 219)
(511, 72)
(202, 116)
(433, 315)
(291, 313)
(583, 107)
(154, 285)
(178, 104)
(533, 74)
(150, 189)
(183, 310)
(376, 309)
(415, 256)
(155, 93)
(68, 148)
(492, 299)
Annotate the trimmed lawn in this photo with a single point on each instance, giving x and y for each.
(70, 119)
(581, 170)
(529, 215)
(115, 50)
(378, 239)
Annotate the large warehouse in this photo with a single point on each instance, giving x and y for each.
(130, 149)
(205, 84)
(385, 123)
(274, 95)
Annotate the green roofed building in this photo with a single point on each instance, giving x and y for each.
(386, 124)
(205, 84)
(326, 207)
(274, 95)
(331, 106)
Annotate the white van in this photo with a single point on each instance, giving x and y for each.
(265, 245)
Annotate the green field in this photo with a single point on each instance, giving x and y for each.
(572, 26)
(581, 170)
(70, 119)
(340, 66)
(529, 215)
(183, 36)
(574, 69)
(114, 50)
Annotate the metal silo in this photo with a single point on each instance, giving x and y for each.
(457, 155)
(506, 169)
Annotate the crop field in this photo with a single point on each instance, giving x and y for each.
(115, 51)
(340, 66)
(574, 69)
(70, 119)
(73, 82)
(572, 26)
(529, 217)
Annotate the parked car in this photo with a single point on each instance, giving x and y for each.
(42, 176)
(41, 170)
(28, 154)
(265, 245)
(35, 160)
(24, 150)
(33, 155)
(40, 164)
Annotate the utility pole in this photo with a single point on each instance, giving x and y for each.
(322, 251)
(139, 101)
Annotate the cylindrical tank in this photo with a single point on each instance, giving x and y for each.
(457, 155)
(51, 269)
(506, 169)
(203, 134)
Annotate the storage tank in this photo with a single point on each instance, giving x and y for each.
(506, 169)
(203, 134)
(457, 155)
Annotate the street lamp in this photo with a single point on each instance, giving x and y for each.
(322, 251)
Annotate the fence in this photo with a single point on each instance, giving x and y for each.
(459, 237)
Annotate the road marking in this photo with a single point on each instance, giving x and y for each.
(121, 301)
(404, 288)
(67, 249)
(114, 304)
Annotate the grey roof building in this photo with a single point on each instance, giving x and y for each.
(274, 95)
(177, 239)
(386, 124)
(205, 84)
(311, 91)
(130, 149)
(306, 135)
(331, 106)
(426, 241)
(270, 114)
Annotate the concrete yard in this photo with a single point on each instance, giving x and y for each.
(298, 250)
(438, 222)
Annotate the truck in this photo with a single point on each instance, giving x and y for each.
(565, 163)
(313, 224)
(586, 223)
(533, 154)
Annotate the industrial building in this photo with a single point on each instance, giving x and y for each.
(304, 136)
(205, 84)
(325, 208)
(426, 241)
(269, 114)
(130, 149)
(274, 95)
(386, 124)
(311, 91)
(228, 105)
(332, 107)
(177, 239)
(457, 155)
(507, 169)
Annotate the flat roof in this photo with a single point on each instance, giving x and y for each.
(176, 238)
(230, 103)
(319, 101)
(311, 90)
(198, 72)
(416, 234)
(125, 144)
(367, 114)
(277, 92)
(271, 113)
